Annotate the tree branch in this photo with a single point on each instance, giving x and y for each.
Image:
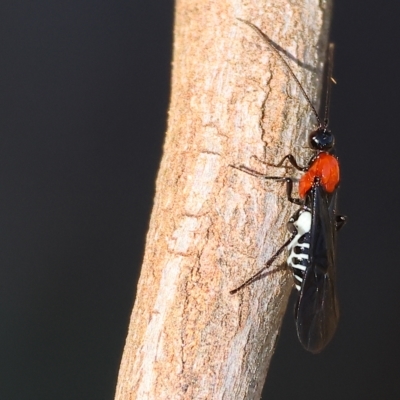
(212, 226)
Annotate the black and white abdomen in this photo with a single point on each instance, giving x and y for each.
(299, 247)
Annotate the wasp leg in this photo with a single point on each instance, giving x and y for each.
(340, 221)
(292, 161)
(266, 266)
(289, 189)
(289, 182)
(249, 171)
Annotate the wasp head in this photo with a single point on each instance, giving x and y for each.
(321, 139)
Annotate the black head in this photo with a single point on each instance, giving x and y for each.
(321, 139)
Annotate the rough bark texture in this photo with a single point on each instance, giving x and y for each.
(212, 226)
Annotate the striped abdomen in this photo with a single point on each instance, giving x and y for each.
(299, 247)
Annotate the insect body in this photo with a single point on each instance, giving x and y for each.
(313, 229)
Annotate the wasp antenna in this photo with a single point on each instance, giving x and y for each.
(272, 46)
(329, 80)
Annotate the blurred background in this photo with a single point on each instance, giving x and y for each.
(84, 88)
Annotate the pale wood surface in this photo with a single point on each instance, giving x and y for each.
(213, 226)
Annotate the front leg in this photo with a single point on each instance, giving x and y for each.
(292, 161)
(288, 157)
(289, 182)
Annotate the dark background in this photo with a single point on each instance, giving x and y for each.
(84, 89)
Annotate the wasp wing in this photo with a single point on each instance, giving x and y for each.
(317, 310)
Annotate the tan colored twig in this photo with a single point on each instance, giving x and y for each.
(212, 226)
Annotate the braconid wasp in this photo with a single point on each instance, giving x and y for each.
(313, 227)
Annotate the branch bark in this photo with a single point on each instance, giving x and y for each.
(213, 226)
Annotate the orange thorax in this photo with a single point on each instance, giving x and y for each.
(325, 167)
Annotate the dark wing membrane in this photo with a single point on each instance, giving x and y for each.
(317, 309)
(332, 199)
